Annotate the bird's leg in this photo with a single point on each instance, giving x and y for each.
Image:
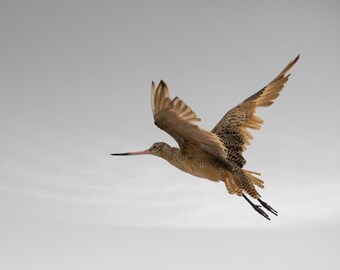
(267, 206)
(257, 208)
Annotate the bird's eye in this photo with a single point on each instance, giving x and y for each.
(153, 147)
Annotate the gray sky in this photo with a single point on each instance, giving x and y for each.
(75, 87)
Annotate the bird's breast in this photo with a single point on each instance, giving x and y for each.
(202, 169)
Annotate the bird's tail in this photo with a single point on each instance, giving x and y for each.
(246, 181)
(240, 181)
(256, 181)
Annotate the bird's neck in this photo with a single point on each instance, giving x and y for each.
(170, 154)
(175, 158)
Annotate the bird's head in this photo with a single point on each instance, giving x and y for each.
(157, 149)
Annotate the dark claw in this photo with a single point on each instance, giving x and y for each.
(260, 211)
(268, 207)
(257, 208)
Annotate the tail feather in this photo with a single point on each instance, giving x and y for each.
(256, 181)
(244, 182)
(241, 180)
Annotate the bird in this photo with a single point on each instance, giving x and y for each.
(215, 155)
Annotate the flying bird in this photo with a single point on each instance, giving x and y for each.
(216, 155)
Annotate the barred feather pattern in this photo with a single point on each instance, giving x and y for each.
(244, 183)
(233, 133)
(256, 181)
(216, 155)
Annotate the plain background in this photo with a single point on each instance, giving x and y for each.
(75, 82)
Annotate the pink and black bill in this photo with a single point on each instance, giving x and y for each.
(144, 152)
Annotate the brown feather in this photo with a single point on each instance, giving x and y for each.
(176, 118)
(243, 115)
(215, 155)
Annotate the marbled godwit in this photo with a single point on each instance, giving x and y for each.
(214, 155)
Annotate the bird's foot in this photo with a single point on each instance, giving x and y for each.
(268, 207)
(258, 209)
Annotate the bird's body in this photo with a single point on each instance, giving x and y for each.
(209, 167)
(204, 167)
(215, 155)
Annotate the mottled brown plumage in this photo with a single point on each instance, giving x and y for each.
(215, 155)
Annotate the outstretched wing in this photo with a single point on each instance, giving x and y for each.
(177, 119)
(232, 129)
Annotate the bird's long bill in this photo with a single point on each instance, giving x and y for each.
(144, 152)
